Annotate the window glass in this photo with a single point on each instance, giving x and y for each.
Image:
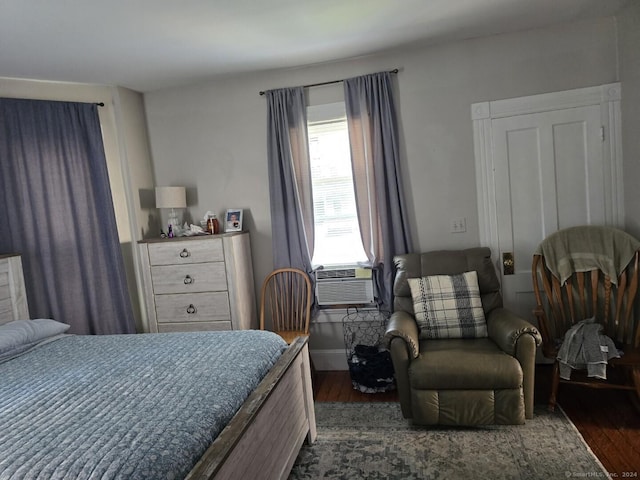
(337, 234)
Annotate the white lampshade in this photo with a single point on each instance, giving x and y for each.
(171, 197)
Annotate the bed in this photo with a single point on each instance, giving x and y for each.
(152, 405)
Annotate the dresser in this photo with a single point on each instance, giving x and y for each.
(13, 296)
(199, 283)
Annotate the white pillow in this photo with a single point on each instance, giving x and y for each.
(20, 333)
(448, 306)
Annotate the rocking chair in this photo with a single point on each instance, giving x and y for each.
(589, 275)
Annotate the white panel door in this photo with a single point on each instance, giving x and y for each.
(549, 174)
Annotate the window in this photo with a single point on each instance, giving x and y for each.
(337, 234)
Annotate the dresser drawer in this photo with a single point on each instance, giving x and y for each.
(193, 307)
(186, 252)
(200, 277)
(193, 327)
(213, 273)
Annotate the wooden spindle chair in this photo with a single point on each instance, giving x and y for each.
(286, 300)
(584, 295)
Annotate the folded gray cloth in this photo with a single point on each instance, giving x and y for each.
(584, 346)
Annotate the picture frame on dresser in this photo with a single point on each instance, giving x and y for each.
(233, 220)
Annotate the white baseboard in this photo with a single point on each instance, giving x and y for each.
(335, 359)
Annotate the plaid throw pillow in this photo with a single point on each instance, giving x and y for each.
(448, 306)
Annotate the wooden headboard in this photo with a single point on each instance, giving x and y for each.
(13, 295)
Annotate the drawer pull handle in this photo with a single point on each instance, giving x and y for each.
(191, 309)
(188, 280)
(185, 253)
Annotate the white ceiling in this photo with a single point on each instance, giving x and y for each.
(151, 44)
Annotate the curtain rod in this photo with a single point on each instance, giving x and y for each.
(395, 70)
(100, 104)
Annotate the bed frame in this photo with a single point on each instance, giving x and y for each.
(264, 437)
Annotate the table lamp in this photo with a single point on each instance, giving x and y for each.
(172, 197)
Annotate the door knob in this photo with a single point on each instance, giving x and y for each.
(507, 263)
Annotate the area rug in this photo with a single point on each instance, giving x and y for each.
(372, 441)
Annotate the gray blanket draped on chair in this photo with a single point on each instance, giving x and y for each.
(585, 248)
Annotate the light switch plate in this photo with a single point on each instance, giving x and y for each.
(458, 225)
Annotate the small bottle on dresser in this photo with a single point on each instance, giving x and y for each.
(213, 226)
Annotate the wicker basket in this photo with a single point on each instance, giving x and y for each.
(369, 363)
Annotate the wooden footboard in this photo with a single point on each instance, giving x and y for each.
(264, 437)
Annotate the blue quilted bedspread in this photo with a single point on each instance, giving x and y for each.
(125, 406)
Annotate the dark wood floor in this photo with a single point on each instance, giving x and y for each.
(607, 419)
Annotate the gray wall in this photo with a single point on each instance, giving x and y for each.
(212, 137)
(629, 51)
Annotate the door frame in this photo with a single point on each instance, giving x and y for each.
(483, 113)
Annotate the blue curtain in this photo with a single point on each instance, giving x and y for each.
(290, 179)
(374, 143)
(57, 212)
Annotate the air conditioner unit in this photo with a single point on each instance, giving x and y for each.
(344, 286)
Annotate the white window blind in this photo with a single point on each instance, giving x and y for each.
(337, 234)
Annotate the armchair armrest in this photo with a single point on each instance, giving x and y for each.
(401, 338)
(518, 338)
(505, 328)
(402, 325)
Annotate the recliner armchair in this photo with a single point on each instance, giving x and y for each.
(461, 381)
